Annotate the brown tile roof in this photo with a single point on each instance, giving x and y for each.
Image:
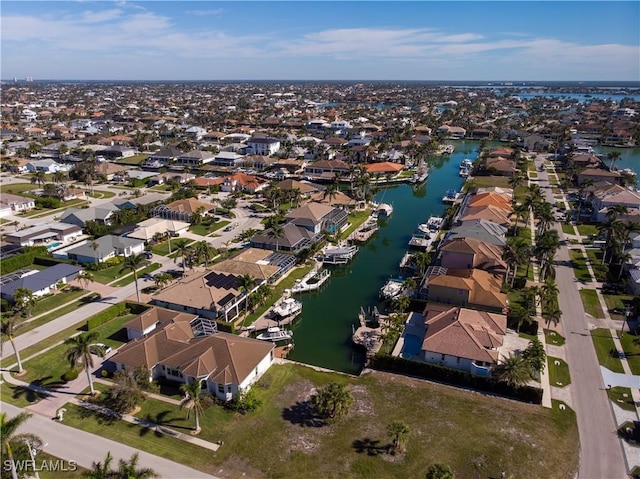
(159, 316)
(484, 288)
(384, 167)
(486, 256)
(465, 333)
(491, 213)
(495, 199)
(189, 205)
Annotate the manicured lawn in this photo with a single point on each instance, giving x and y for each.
(67, 308)
(621, 397)
(587, 230)
(63, 297)
(102, 194)
(567, 229)
(605, 349)
(277, 291)
(70, 471)
(206, 229)
(558, 372)
(487, 181)
(525, 233)
(141, 272)
(551, 337)
(617, 303)
(163, 248)
(49, 366)
(355, 219)
(17, 395)
(289, 445)
(17, 188)
(590, 302)
(133, 160)
(106, 276)
(631, 347)
(599, 269)
(579, 263)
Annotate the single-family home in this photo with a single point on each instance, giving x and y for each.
(383, 168)
(226, 364)
(599, 174)
(195, 158)
(79, 216)
(146, 230)
(500, 166)
(291, 239)
(46, 166)
(317, 217)
(105, 247)
(263, 146)
(494, 199)
(490, 213)
(326, 169)
(41, 282)
(472, 253)
(162, 157)
(480, 229)
(182, 210)
(13, 204)
(452, 132)
(228, 158)
(243, 182)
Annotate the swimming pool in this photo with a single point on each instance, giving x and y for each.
(53, 245)
(412, 346)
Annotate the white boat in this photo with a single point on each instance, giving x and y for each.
(466, 163)
(391, 289)
(384, 209)
(275, 334)
(287, 307)
(339, 255)
(424, 227)
(451, 196)
(448, 150)
(313, 280)
(435, 222)
(464, 172)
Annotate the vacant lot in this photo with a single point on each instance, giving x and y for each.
(469, 431)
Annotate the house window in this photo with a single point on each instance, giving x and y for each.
(457, 360)
(221, 388)
(228, 388)
(442, 358)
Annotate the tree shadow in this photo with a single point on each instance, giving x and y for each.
(302, 414)
(30, 394)
(163, 419)
(370, 446)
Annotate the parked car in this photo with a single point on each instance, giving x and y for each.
(105, 348)
(228, 228)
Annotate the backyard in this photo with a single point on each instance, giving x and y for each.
(356, 446)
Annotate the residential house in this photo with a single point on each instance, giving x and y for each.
(146, 230)
(305, 188)
(118, 152)
(162, 157)
(14, 204)
(326, 169)
(383, 168)
(599, 174)
(292, 239)
(501, 166)
(458, 338)
(472, 253)
(79, 216)
(41, 282)
(263, 146)
(183, 210)
(317, 217)
(226, 364)
(490, 213)
(604, 196)
(480, 229)
(452, 132)
(501, 201)
(110, 170)
(228, 158)
(195, 158)
(243, 182)
(103, 248)
(43, 234)
(146, 199)
(472, 288)
(46, 166)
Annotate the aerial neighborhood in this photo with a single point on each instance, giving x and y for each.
(325, 279)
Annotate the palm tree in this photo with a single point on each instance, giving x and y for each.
(536, 357)
(399, 432)
(129, 469)
(38, 177)
(23, 301)
(162, 279)
(331, 192)
(101, 470)
(613, 157)
(439, 471)
(204, 250)
(182, 249)
(552, 315)
(520, 210)
(400, 303)
(84, 278)
(81, 348)
(8, 428)
(276, 233)
(247, 283)
(193, 401)
(513, 371)
(422, 260)
(332, 401)
(133, 263)
(8, 329)
(544, 216)
(59, 177)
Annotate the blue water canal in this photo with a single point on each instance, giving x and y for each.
(323, 333)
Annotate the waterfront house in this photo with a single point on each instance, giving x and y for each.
(41, 282)
(490, 213)
(480, 229)
(452, 132)
(263, 146)
(292, 239)
(195, 158)
(162, 157)
(501, 201)
(326, 169)
(228, 158)
(606, 195)
(500, 166)
(457, 338)
(599, 174)
(472, 253)
(42, 234)
(472, 288)
(183, 210)
(173, 348)
(383, 168)
(317, 217)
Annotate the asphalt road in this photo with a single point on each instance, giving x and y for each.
(600, 449)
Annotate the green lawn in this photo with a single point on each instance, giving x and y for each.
(355, 220)
(488, 181)
(617, 303)
(18, 188)
(567, 229)
(141, 272)
(18, 395)
(525, 233)
(599, 269)
(590, 302)
(162, 249)
(579, 263)
(288, 445)
(587, 230)
(67, 308)
(631, 347)
(206, 229)
(102, 194)
(63, 297)
(558, 372)
(552, 337)
(133, 160)
(605, 349)
(49, 366)
(622, 397)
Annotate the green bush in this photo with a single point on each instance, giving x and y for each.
(19, 261)
(455, 377)
(5, 306)
(70, 375)
(114, 311)
(226, 327)
(48, 202)
(46, 261)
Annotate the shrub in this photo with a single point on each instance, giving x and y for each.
(48, 202)
(5, 306)
(47, 261)
(70, 375)
(19, 261)
(226, 327)
(114, 311)
(246, 401)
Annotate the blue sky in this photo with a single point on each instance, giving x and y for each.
(321, 40)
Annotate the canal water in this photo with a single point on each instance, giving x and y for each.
(322, 335)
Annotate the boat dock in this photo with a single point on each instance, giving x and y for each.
(364, 232)
(339, 254)
(366, 336)
(422, 240)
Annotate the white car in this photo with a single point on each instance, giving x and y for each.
(105, 348)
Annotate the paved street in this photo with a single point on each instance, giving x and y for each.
(600, 449)
(84, 448)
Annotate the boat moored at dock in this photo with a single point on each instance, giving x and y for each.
(451, 196)
(275, 334)
(313, 280)
(392, 289)
(287, 307)
(383, 210)
(338, 254)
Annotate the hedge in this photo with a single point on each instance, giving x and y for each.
(19, 261)
(42, 261)
(455, 377)
(114, 311)
(226, 327)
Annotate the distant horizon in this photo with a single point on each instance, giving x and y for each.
(134, 40)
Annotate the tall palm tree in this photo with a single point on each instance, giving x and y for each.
(399, 432)
(275, 232)
(8, 428)
(129, 469)
(101, 470)
(133, 263)
(38, 177)
(613, 157)
(8, 329)
(247, 283)
(204, 251)
(513, 371)
(182, 249)
(193, 401)
(521, 210)
(84, 278)
(81, 348)
(23, 301)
